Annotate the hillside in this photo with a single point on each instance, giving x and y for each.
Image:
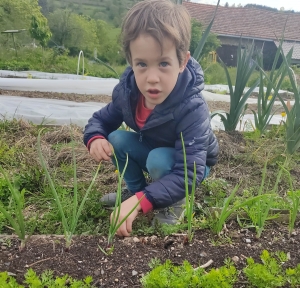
(108, 10)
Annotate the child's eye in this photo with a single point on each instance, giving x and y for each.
(164, 64)
(141, 64)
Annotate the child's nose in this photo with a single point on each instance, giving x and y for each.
(152, 76)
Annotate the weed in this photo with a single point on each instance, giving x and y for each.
(154, 262)
(222, 215)
(216, 190)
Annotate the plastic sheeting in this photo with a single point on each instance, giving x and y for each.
(61, 112)
(44, 75)
(224, 88)
(47, 111)
(100, 86)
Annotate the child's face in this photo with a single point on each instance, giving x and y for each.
(156, 70)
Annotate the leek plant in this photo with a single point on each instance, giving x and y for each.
(69, 225)
(245, 67)
(292, 123)
(189, 199)
(19, 222)
(264, 105)
(203, 39)
(114, 223)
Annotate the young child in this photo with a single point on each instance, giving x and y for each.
(159, 97)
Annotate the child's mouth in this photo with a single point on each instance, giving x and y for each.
(153, 92)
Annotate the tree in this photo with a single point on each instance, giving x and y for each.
(73, 31)
(39, 29)
(17, 14)
(211, 44)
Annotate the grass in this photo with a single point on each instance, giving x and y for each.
(50, 61)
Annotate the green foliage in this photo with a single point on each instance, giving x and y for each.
(274, 82)
(211, 43)
(115, 223)
(189, 191)
(46, 279)
(270, 273)
(292, 123)
(79, 32)
(258, 210)
(39, 29)
(17, 14)
(70, 224)
(216, 191)
(169, 275)
(293, 276)
(14, 214)
(107, 10)
(222, 215)
(51, 60)
(245, 67)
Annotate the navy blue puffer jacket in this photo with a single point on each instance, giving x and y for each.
(184, 110)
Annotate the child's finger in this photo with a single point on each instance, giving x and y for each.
(107, 148)
(122, 231)
(129, 225)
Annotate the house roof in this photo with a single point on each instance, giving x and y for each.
(248, 22)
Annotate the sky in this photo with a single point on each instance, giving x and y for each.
(287, 4)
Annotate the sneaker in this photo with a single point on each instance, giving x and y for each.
(170, 215)
(109, 200)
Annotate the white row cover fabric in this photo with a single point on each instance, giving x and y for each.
(45, 75)
(94, 87)
(47, 111)
(61, 112)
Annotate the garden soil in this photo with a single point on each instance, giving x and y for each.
(238, 163)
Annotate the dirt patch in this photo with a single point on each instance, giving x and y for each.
(129, 261)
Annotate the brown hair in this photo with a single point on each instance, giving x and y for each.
(160, 19)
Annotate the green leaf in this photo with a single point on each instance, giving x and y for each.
(203, 39)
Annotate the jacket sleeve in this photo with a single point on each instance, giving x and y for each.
(107, 119)
(194, 124)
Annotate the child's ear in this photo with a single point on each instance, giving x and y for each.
(185, 60)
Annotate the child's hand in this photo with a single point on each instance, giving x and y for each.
(126, 228)
(101, 149)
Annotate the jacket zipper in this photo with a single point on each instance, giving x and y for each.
(141, 137)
